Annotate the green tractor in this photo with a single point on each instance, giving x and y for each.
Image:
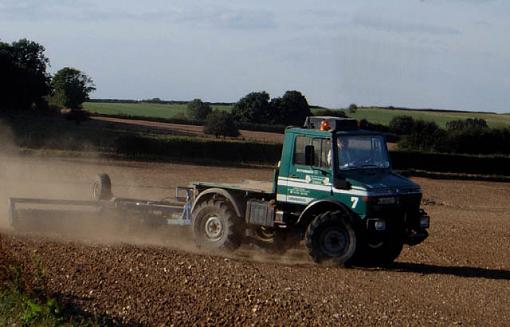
(333, 188)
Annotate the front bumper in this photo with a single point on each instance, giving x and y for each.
(417, 232)
(413, 229)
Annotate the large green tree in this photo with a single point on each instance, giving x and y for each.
(220, 123)
(253, 108)
(71, 87)
(291, 109)
(24, 80)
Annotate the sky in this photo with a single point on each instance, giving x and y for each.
(447, 54)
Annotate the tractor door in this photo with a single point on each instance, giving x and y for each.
(310, 173)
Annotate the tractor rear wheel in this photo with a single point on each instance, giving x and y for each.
(331, 237)
(215, 226)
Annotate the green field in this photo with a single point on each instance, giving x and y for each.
(143, 109)
(372, 114)
(384, 116)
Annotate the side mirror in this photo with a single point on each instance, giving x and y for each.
(309, 155)
(341, 183)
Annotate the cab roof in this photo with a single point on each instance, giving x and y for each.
(319, 133)
(337, 125)
(333, 123)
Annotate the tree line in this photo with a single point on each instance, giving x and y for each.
(256, 107)
(468, 136)
(26, 84)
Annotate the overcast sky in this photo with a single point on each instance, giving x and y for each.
(452, 54)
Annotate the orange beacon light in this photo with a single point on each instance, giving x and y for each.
(324, 125)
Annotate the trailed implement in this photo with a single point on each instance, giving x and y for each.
(32, 213)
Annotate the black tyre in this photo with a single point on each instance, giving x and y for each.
(331, 237)
(102, 188)
(383, 252)
(215, 226)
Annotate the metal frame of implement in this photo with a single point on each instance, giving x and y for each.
(160, 212)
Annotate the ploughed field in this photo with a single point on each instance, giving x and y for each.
(184, 130)
(459, 276)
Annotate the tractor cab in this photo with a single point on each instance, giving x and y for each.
(332, 160)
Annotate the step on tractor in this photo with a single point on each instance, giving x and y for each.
(333, 189)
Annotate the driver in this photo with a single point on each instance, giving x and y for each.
(343, 153)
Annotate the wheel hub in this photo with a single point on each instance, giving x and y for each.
(213, 228)
(334, 242)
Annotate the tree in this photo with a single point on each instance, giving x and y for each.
(153, 100)
(425, 136)
(23, 79)
(253, 108)
(353, 108)
(220, 123)
(402, 125)
(291, 109)
(71, 88)
(198, 110)
(277, 109)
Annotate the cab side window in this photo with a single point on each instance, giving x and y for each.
(299, 149)
(322, 149)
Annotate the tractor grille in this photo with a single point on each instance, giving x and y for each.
(399, 215)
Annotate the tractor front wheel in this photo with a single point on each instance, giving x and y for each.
(331, 237)
(383, 252)
(215, 226)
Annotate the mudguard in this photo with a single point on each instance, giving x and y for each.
(236, 205)
(318, 206)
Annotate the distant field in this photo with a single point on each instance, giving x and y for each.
(143, 109)
(384, 116)
(373, 115)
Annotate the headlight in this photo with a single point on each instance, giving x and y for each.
(380, 225)
(377, 224)
(424, 222)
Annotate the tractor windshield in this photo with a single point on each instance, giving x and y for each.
(362, 151)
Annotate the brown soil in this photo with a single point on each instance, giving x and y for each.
(459, 276)
(181, 129)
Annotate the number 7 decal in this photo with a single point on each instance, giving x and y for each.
(354, 201)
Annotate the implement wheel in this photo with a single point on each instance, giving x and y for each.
(331, 237)
(215, 226)
(102, 188)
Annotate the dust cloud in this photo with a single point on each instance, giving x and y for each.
(41, 176)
